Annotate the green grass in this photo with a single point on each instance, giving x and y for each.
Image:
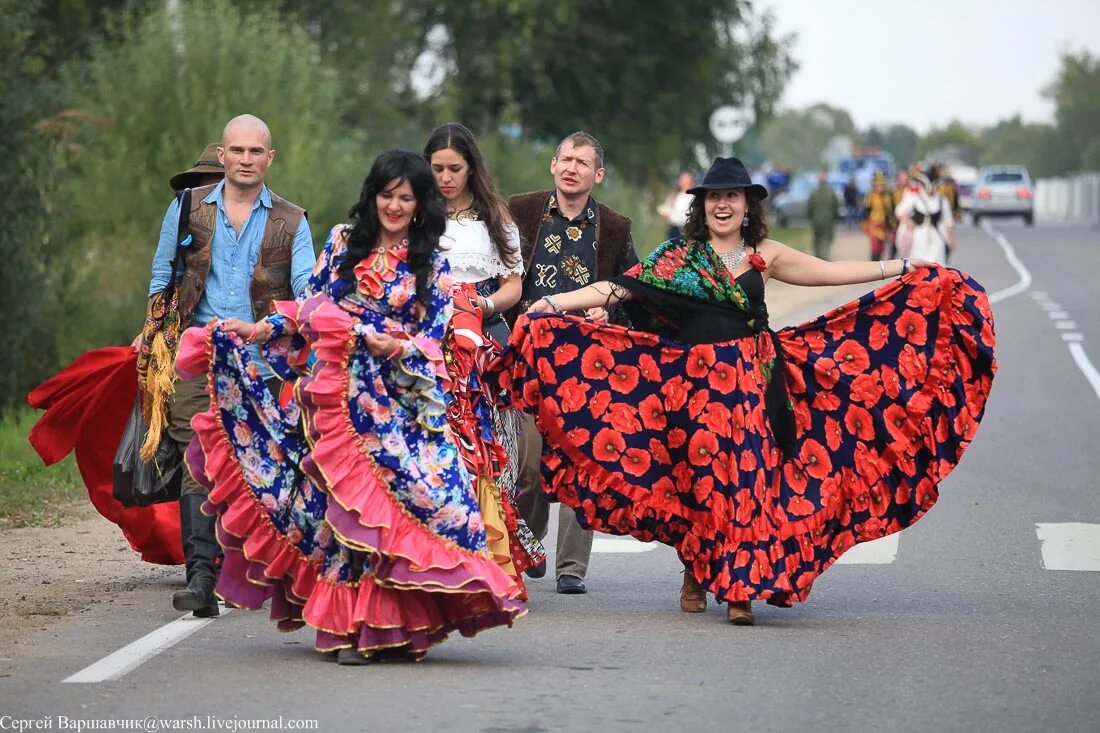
(797, 237)
(32, 494)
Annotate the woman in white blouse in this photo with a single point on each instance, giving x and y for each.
(482, 247)
(927, 213)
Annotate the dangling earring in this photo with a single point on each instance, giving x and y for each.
(745, 221)
(418, 217)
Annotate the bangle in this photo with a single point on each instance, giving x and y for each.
(553, 303)
(904, 265)
(252, 336)
(488, 306)
(882, 269)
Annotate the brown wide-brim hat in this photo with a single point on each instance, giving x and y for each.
(726, 174)
(206, 165)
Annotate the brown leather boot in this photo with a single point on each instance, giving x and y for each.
(693, 599)
(740, 613)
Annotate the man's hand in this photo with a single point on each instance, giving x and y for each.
(597, 314)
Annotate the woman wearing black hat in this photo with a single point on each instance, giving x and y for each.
(760, 456)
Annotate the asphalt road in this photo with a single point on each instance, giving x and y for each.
(964, 629)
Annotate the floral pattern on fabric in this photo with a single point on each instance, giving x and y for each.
(670, 442)
(349, 507)
(688, 267)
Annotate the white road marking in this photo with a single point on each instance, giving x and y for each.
(137, 653)
(1086, 366)
(1058, 315)
(1073, 336)
(1010, 254)
(1049, 305)
(1070, 546)
(625, 546)
(1039, 295)
(1065, 325)
(882, 551)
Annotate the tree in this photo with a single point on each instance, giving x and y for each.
(901, 142)
(1076, 96)
(1012, 141)
(798, 138)
(955, 135)
(645, 88)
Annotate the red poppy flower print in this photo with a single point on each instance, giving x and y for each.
(718, 419)
(578, 436)
(699, 361)
(866, 389)
(597, 363)
(826, 372)
(815, 459)
(840, 327)
(826, 401)
(878, 336)
(616, 341)
(698, 401)
(852, 358)
(599, 402)
(799, 506)
(676, 438)
(701, 448)
(648, 368)
(703, 489)
(747, 462)
(623, 418)
(912, 327)
(913, 366)
(546, 372)
(541, 333)
(623, 378)
(572, 394)
(565, 354)
(737, 421)
(833, 434)
(758, 262)
(636, 462)
(890, 382)
(608, 446)
(815, 341)
(885, 308)
(859, 422)
(795, 478)
(652, 413)
(676, 394)
(722, 379)
(926, 297)
(659, 453)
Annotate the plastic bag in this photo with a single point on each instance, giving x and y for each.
(137, 483)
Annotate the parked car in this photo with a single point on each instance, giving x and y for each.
(1003, 190)
(791, 204)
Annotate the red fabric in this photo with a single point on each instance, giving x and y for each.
(87, 404)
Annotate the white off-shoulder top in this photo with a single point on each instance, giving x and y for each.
(471, 254)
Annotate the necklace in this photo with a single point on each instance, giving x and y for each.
(381, 261)
(732, 259)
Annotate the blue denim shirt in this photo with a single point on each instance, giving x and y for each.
(232, 261)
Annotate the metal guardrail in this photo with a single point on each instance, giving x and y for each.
(1074, 199)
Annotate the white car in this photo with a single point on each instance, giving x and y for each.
(1003, 190)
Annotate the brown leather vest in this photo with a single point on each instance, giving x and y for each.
(612, 235)
(270, 279)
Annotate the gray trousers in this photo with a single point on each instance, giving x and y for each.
(574, 542)
(189, 400)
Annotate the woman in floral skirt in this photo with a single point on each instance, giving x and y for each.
(362, 522)
(760, 456)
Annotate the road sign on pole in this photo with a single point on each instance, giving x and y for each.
(728, 124)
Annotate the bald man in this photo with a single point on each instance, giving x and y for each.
(249, 247)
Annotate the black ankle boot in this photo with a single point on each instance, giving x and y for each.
(201, 550)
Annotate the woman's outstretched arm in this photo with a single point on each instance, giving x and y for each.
(798, 268)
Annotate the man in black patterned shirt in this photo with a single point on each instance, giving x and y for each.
(569, 240)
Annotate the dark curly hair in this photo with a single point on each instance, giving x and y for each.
(488, 204)
(428, 223)
(755, 233)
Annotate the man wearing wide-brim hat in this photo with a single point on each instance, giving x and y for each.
(207, 170)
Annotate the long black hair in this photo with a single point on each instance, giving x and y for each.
(427, 226)
(756, 232)
(488, 204)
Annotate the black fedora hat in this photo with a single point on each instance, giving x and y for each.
(729, 173)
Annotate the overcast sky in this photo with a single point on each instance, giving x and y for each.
(924, 63)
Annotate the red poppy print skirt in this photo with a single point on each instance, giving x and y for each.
(671, 442)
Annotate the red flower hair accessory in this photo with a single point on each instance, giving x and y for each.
(758, 262)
